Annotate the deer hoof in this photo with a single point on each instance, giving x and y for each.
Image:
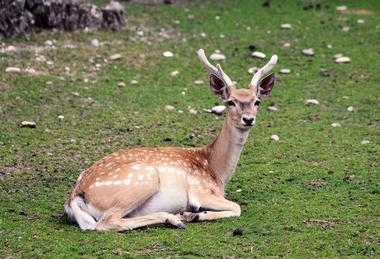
(181, 226)
(194, 217)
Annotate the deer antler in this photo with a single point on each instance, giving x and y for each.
(262, 71)
(217, 71)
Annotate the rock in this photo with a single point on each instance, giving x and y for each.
(49, 43)
(341, 8)
(312, 101)
(27, 16)
(365, 142)
(169, 108)
(95, 43)
(335, 125)
(61, 117)
(199, 82)
(275, 138)
(28, 124)
(115, 57)
(343, 60)
(272, 108)
(193, 111)
(286, 26)
(351, 109)
(168, 54)
(285, 71)
(219, 109)
(217, 57)
(253, 70)
(121, 84)
(174, 73)
(12, 70)
(308, 52)
(258, 54)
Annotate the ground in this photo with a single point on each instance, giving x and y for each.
(313, 193)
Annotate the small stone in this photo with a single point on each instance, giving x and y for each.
(343, 60)
(336, 125)
(121, 84)
(312, 101)
(28, 124)
(193, 111)
(217, 57)
(50, 63)
(275, 138)
(168, 54)
(272, 108)
(286, 26)
(350, 109)
(12, 70)
(286, 45)
(95, 43)
(41, 58)
(308, 52)
(345, 28)
(199, 82)
(48, 43)
(219, 109)
(253, 70)
(258, 54)
(61, 117)
(134, 82)
(169, 108)
(285, 71)
(365, 142)
(341, 8)
(115, 57)
(338, 56)
(360, 21)
(174, 73)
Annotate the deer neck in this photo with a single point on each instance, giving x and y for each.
(224, 151)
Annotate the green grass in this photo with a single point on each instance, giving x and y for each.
(283, 214)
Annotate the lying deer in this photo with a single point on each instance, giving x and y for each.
(144, 186)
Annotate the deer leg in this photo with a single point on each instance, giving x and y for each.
(211, 208)
(114, 220)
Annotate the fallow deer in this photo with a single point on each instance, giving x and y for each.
(144, 186)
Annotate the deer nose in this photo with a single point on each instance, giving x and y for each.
(248, 121)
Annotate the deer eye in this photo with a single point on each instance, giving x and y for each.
(231, 103)
(257, 103)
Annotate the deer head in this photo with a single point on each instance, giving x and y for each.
(242, 103)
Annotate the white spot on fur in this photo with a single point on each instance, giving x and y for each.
(127, 181)
(130, 175)
(117, 170)
(117, 182)
(141, 177)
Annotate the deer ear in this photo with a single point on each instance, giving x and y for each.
(266, 86)
(219, 88)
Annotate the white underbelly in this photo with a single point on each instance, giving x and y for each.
(171, 199)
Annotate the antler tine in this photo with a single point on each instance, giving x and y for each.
(214, 70)
(262, 71)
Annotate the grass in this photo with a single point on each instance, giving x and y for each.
(315, 193)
